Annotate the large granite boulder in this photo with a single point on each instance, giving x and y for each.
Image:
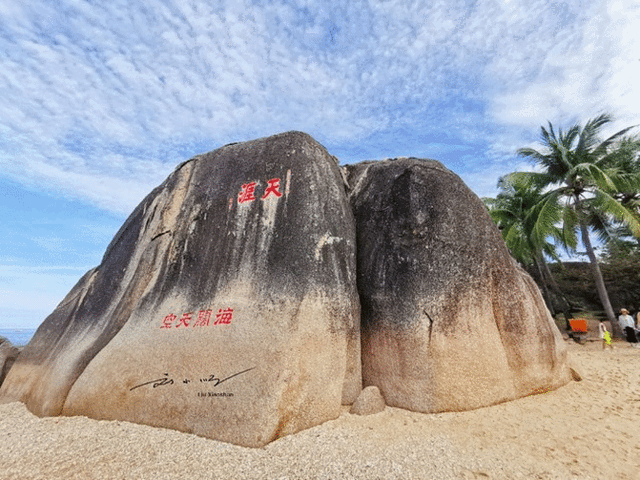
(8, 355)
(226, 305)
(449, 321)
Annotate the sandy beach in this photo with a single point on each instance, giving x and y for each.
(586, 430)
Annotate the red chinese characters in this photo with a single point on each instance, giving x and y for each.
(203, 318)
(223, 317)
(168, 321)
(248, 190)
(184, 320)
(272, 188)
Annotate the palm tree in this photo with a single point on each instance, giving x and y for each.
(582, 175)
(627, 161)
(515, 211)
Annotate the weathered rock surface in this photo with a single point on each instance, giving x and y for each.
(449, 322)
(369, 401)
(225, 306)
(8, 355)
(228, 304)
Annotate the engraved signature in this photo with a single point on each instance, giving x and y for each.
(160, 382)
(218, 381)
(156, 383)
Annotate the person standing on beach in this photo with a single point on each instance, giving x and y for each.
(605, 336)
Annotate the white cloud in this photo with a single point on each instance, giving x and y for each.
(584, 72)
(99, 101)
(102, 99)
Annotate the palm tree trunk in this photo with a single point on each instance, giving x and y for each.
(545, 288)
(597, 275)
(552, 279)
(567, 307)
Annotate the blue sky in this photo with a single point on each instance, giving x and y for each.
(99, 101)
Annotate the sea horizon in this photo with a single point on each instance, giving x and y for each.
(19, 337)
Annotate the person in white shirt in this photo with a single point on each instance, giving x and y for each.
(628, 326)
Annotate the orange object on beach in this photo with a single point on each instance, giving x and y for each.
(578, 325)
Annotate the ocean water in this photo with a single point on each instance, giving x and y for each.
(17, 336)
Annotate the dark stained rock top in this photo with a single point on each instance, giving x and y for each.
(414, 216)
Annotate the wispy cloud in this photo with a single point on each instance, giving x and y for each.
(590, 66)
(100, 101)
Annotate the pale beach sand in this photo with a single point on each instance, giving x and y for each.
(585, 430)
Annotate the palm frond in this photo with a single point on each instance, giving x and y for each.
(567, 140)
(624, 155)
(595, 176)
(534, 180)
(603, 147)
(532, 154)
(551, 251)
(608, 204)
(543, 217)
(570, 223)
(501, 217)
(547, 137)
(601, 224)
(589, 135)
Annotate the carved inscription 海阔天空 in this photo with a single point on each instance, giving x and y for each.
(223, 317)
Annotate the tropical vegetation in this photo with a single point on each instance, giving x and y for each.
(513, 210)
(583, 186)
